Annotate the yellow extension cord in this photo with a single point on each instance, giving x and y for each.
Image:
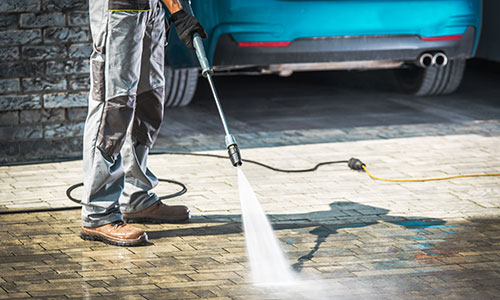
(428, 179)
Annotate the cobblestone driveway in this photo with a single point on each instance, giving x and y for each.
(365, 239)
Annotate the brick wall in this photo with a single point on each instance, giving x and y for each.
(44, 78)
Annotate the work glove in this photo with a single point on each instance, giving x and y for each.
(187, 25)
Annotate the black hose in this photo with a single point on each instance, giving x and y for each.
(70, 189)
(297, 170)
(36, 210)
(176, 194)
(183, 189)
(259, 163)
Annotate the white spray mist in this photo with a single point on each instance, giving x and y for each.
(267, 262)
(269, 268)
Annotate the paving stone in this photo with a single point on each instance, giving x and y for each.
(9, 118)
(65, 100)
(80, 82)
(43, 52)
(63, 130)
(67, 34)
(9, 86)
(19, 6)
(42, 19)
(78, 18)
(21, 69)
(21, 37)
(68, 67)
(21, 132)
(80, 50)
(65, 5)
(9, 53)
(19, 102)
(41, 116)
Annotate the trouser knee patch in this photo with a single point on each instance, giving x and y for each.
(148, 116)
(116, 117)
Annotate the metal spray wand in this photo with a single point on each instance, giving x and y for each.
(207, 72)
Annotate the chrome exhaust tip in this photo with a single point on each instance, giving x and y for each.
(426, 60)
(439, 59)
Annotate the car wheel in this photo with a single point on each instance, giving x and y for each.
(180, 86)
(432, 80)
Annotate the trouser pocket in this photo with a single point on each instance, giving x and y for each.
(97, 69)
(129, 5)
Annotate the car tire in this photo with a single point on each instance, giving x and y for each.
(180, 86)
(432, 80)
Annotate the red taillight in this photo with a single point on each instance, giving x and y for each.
(264, 44)
(441, 38)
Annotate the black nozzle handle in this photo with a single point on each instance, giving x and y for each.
(201, 55)
(198, 45)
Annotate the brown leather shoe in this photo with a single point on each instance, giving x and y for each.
(159, 213)
(117, 233)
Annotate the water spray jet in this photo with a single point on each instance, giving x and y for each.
(268, 264)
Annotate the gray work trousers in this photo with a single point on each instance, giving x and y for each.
(125, 108)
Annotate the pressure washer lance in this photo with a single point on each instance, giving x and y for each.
(207, 72)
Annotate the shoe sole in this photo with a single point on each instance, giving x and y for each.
(173, 220)
(155, 221)
(116, 242)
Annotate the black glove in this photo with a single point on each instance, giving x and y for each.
(187, 26)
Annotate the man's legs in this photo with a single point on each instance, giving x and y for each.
(137, 199)
(139, 180)
(115, 69)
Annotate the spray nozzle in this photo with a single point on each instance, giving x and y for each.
(234, 155)
(233, 150)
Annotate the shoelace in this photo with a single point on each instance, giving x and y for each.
(118, 224)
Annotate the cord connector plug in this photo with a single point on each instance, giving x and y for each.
(355, 164)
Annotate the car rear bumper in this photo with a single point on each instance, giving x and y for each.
(406, 48)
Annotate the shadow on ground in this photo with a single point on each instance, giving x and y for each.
(325, 224)
(42, 257)
(339, 106)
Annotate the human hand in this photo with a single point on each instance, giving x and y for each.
(187, 25)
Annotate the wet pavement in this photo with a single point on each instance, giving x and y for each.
(363, 239)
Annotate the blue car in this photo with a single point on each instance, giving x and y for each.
(427, 42)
